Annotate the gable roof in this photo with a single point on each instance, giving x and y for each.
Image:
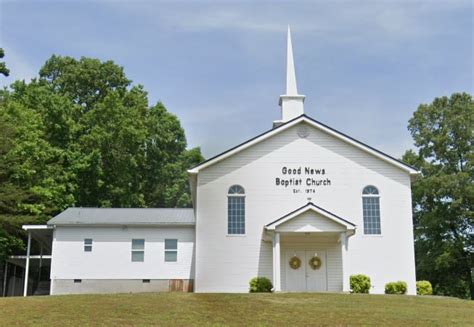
(310, 207)
(312, 122)
(125, 216)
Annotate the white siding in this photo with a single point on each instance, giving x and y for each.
(111, 253)
(310, 222)
(227, 263)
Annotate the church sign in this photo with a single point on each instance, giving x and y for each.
(302, 178)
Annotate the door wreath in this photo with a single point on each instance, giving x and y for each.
(295, 262)
(315, 263)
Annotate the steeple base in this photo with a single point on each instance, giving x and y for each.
(291, 106)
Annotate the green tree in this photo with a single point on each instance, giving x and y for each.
(81, 134)
(3, 68)
(33, 181)
(9, 195)
(443, 198)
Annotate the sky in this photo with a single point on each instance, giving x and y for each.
(364, 66)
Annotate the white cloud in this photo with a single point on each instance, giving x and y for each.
(352, 19)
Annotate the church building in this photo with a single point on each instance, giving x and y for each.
(303, 204)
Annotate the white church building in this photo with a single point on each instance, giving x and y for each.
(302, 204)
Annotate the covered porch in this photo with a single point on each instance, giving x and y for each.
(309, 250)
(29, 274)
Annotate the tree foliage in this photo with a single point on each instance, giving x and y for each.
(443, 198)
(81, 134)
(3, 67)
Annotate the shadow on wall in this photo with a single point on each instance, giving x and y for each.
(192, 272)
(265, 257)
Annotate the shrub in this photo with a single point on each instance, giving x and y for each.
(399, 287)
(423, 287)
(260, 284)
(360, 283)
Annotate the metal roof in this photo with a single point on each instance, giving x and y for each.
(124, 216)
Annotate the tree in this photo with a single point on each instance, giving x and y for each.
(9, 194)
(3, 68)
(81, 134)
(443, 198)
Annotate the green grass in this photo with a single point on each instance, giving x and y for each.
(184, 309)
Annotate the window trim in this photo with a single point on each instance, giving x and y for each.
(171, 250)
(238, 195)
(137, 250)
(379, 196)
(370, 185)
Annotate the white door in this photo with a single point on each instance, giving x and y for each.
(316, 278)
(295, 278)
(305, 278)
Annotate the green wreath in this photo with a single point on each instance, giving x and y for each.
(295, 262)
(315, 263)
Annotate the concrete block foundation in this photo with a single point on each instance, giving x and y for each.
(107, 286)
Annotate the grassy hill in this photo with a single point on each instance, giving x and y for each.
(184, 309)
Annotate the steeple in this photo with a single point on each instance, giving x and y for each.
(291, 88)
(291, 103)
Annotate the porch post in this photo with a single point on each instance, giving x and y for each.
(345, 268)
(40, 262)
(27, 266)
(4, 292)
(276, 262)
(14, 280)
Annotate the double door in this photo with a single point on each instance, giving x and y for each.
(305, 278)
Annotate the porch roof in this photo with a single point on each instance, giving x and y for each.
(311, 207)
(41, 233)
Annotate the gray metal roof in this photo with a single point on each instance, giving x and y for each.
(124, 216)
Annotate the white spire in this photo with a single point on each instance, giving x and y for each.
(291, 103)
(291, 88)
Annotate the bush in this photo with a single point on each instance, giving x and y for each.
(260, 284)
(399, 287)
(423, 287)
(360, 283)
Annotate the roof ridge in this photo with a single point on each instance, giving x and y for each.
(130, 208)
(309, 204)
(322, 126)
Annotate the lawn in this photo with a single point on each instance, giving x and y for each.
(183, 309)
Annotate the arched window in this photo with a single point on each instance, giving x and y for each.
(371, 210)
(236, 210)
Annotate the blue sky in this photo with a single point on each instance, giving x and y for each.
(364, 66)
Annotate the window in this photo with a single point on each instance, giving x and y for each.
(88, 245)
(371, 210)
(138, 250)
(171, 250)
(236, 210)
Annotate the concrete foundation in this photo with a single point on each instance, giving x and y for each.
(97, 286)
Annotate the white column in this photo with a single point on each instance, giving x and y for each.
(27, 266)
(276, 262)
(345, 267)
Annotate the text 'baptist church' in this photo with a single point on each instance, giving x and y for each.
(288, 180)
